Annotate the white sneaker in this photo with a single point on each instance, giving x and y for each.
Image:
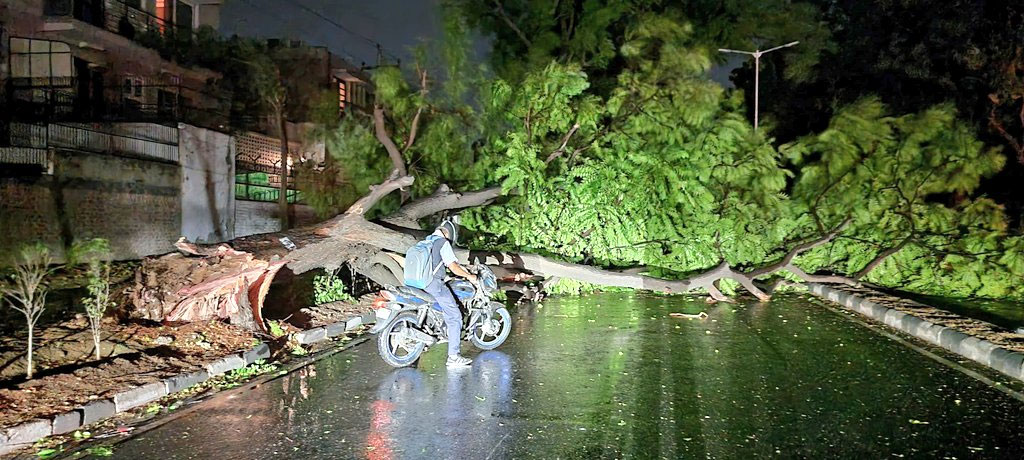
(458, 361)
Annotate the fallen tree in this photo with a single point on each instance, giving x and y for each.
(231, 280)
(660, 172)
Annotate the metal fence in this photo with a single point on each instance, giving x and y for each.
(79, 137)
(120, 98)
(25, 156)
(118, 16)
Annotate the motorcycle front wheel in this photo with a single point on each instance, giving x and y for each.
(493, 332)
(393, 348)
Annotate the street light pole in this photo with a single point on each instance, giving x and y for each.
(757, 72)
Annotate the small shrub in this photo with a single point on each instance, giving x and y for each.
(329, 288)
(275, 328)
(96, 254)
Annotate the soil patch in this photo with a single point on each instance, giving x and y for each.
(68, 374)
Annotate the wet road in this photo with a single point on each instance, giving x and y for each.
(611, 376)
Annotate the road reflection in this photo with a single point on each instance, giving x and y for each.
(414, 408)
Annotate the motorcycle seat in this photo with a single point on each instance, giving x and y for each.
(415, 292)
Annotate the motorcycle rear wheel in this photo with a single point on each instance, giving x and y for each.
(485, 341)
(389, 345)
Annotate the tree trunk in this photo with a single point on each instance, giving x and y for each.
(96, 337)
(31, 330)
(282, 199)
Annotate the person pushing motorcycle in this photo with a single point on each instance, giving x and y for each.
(442, 252)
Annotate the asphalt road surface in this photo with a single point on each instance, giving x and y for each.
(613, 376)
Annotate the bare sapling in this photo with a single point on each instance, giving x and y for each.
(96, 254)
(28, 289)
(98, 302)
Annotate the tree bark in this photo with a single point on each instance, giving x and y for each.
(381, 131)
(282, 199)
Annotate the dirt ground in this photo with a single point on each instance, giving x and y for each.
(977, 328)
(68, 374)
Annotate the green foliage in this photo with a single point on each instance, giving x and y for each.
(275, 329)
(355, 162)
(617, 150)
(100, 451)
(95, 254)
(329, 288)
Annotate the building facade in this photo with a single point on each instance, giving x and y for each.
(104, 135)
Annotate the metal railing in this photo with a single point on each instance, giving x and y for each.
(62, 99)
(119, 17)
(79, 137)
(25, 156)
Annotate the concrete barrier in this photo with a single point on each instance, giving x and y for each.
(976, 349)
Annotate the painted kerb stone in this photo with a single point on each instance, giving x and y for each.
(261, 351)
(312, 335)
(138, 396)
(97, 410)
(20, 436)
(67, 422)
(227, 363)
(183, 381)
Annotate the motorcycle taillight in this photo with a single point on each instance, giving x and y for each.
(387, 295)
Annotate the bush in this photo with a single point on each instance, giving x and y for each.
(329, 288)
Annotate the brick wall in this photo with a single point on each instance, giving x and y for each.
(132, 203)
(253, 217)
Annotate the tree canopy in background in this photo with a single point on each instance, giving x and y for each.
(616, 149)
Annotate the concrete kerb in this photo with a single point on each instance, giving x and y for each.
(261, 351)
(20, 436)
(138, 396)
(98, 410)
(24, 435)
(974, 348)
(67, 422)
(309, 336)
(225, 364)
(332, 330)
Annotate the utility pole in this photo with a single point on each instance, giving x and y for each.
(757, 71)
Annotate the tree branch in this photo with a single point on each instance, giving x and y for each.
(441, 200)
(500, 10)
(787, 260)
(419, 111)
(561, 149)
(382, 135)
(881, 258)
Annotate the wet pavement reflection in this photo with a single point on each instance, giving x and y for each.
(612, 376)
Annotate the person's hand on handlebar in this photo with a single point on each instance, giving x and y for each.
(458, 270)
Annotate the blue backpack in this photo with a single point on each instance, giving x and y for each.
(419, 264)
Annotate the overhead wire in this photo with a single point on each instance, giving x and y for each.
(377, 46)
(380, 48)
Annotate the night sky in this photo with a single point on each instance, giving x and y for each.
(394, 24)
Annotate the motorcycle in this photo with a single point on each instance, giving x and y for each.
(409, 320)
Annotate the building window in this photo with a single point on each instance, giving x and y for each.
(183, 15)
(40, 60)
(132, 87)
(341, 94)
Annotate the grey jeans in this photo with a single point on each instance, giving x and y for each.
(452, 316)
